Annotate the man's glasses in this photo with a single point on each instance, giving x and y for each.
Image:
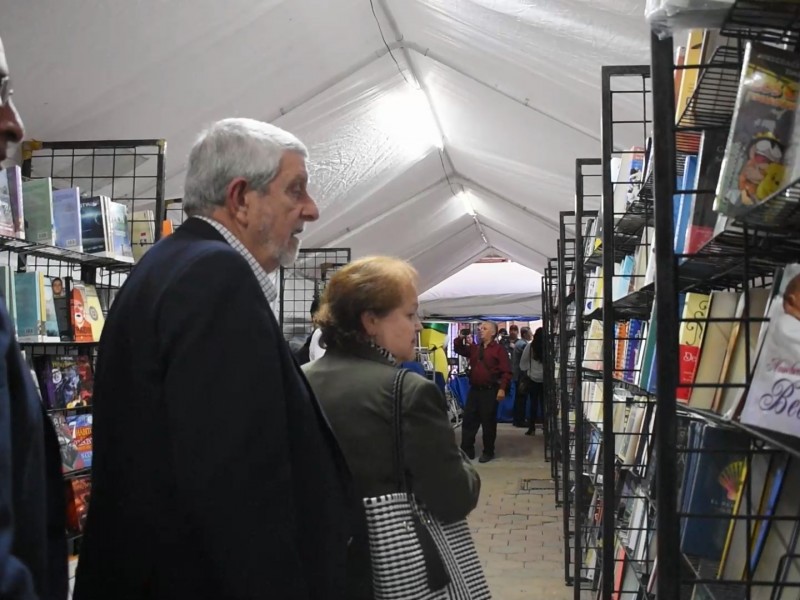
(5, 90)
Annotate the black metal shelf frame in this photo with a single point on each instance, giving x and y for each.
(132, 172)
(587, 186)
(742, 257)
(567, 254)
(621, 236)
(551, 388)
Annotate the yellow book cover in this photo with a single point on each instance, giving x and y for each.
(94, 311)
(690, 339)
(694, 52)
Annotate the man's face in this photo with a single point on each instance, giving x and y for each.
(277, 217)
(11, 131)
(487, 332)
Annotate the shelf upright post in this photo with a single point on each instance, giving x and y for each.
(580, 292)
(667, 522)
(564, 391)
(607, 142)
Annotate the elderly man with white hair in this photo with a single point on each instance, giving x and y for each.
(215, 474)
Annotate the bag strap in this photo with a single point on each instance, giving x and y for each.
(435, 570)
(397, 423)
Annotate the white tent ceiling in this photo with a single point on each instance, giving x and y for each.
(485, 289)
(514, 87)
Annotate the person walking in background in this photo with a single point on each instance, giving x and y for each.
(215, 472)
(369, 324)
(33, 545)
(311, 349)
(489, 378)
(521, 389)
(532, 368)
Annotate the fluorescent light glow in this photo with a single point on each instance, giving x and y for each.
(405, 115)
(464, 196)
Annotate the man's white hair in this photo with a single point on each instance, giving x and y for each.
(233, 148)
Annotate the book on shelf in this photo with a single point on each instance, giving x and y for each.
(37, 199)
(755, 164)
(67, 219)
(772, 401)
(78, 496)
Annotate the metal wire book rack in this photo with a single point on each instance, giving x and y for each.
(567, 257)
(131, 172)
(746, 545)
(550, 367)
(627, 219)
(586, 538)
(302, 283)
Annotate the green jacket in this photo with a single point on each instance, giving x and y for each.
(355, 391)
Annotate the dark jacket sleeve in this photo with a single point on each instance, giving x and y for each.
(33, 560)
(16, 580)
(441, 475)
(226, 414)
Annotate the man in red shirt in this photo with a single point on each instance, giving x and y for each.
(489, 378)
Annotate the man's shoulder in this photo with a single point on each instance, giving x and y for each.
(177, 256)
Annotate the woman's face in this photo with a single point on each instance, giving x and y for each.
(397, 331)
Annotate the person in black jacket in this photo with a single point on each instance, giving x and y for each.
(215, 472)
(33, 547)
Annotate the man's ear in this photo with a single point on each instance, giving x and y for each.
(236, 202)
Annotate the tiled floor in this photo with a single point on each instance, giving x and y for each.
(519, 535)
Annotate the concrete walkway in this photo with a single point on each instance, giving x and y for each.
(519, 534)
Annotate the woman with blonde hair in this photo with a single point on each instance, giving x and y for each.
(369, 325)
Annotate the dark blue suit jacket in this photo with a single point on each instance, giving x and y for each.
(33, 551)
(215, 473)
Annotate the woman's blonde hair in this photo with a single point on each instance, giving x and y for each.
(372, 284)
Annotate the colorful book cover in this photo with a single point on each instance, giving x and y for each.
(714, 489)
(142, 232)
(690, 340)
(62, 290)
(67, 219)
(93, 225)
(81, 325)
(51, 331)
(7, 282)
(71, 459)
(120, 236)
(6, 213)
(30, 321)
(14, 179)
(716, 340)
(686, 203)
(704, 217)
(773, 398)
(66, 381)
(755, 158)
(93, 310)
(79, 492)
(37, 197)
(81, 426)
